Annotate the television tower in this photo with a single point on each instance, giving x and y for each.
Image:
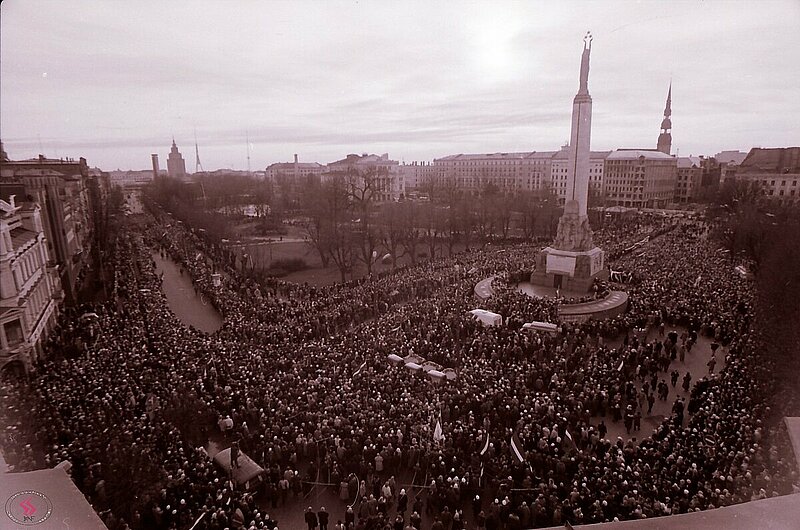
(198, 167)
(247, 139)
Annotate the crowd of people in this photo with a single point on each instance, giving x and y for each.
(517, 440)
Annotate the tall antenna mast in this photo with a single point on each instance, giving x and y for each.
(198, 167)
(247, 138)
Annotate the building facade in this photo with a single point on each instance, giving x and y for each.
(639, 178)
(29, 286)
(386, 178)
(176, 165)
(776, 170)
(294, 171)
(71, 198)
(689, 178)
(416, 176)
(560, 172)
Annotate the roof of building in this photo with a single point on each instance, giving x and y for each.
(364, 159)
(633, 154)
(730, 157)
(67, 503)
(688, 161)
(564, 154)
(487, 156)
(778, 160)
(290, 165)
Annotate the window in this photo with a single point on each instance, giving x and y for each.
(13, 331)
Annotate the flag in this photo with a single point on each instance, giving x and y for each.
(485, 445)
(568, 435)
(516, 447)
(437, 431)
(359, 369)
(198, 520)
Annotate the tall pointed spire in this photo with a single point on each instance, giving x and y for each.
(665, 138)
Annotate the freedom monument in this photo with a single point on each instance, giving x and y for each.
(573, 262)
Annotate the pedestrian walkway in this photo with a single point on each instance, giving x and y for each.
(695, 362)
(192, 308)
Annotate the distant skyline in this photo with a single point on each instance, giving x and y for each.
(114, 81)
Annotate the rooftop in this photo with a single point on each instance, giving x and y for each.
(290, 165)
(633, 154)
(688, 161)
(730, 157)
(778, 160)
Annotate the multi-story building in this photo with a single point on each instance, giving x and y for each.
(475, 172)
(558, 179)
(70, 197)
(689, 178)
(176, 165)
(131, 179)
(777, 170)
(639, 178)
(29, 286)
(385, 176)
(416, 175)
(295, 172)
(728, 164)
(511, 172)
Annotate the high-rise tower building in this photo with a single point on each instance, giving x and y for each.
(176, 165)
(665, 138)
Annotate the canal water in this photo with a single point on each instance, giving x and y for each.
(193, 309)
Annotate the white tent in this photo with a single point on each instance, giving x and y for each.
(487, 317)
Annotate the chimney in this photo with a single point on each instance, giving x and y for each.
(154, 156)
(295, 158)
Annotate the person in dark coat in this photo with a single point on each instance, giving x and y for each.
(402, 502)
(322, 517)
(311, 519)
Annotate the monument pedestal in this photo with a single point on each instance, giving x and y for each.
(569, 270)
(573, 262)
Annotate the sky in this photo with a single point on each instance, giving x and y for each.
(114, 81)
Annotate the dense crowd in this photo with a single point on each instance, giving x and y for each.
(302, 375)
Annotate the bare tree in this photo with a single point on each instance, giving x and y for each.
(362, 192)
(393, 231)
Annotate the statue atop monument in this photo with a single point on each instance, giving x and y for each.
(587, 48)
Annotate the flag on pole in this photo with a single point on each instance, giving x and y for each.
(198, 520)
(438, 436)
(516, 447)
(359, 369)
(485, 445)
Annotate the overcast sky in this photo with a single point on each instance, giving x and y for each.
(113, 81)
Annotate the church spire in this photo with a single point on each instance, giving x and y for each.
(665, 138)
